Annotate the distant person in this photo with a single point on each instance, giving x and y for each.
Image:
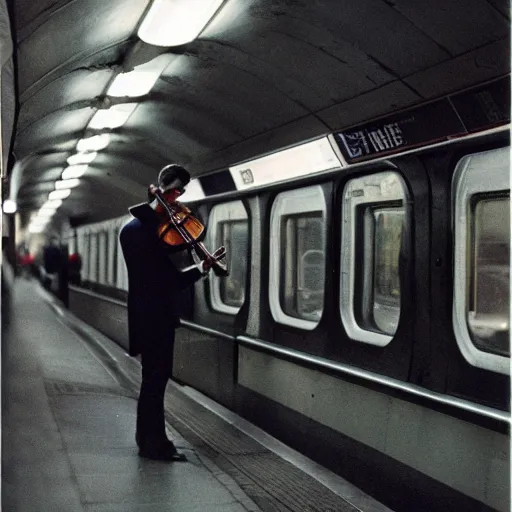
(25, 261)
(74, 269)
(154, 296)
(52, 261)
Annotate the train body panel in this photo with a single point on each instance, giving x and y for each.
(365, 375)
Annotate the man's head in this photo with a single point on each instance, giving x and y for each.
(173, 176)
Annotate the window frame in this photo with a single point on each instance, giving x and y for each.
(349, 241)
(285, 204)
(224, 212)
(102, 257)
(121, 271)
(112, 237)
(467, 182)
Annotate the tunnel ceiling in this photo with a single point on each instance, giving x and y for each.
(263, 74)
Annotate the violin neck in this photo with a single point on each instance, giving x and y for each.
(161, 199)
(202, 251)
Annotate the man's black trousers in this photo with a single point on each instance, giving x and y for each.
(156, 359)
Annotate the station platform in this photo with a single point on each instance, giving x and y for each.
(69, 398)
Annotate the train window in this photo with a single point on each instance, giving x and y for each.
(297, 257)
(94, 257)
(121, 270)
(302, 266)
(112, 235)
(481, 223)
(228, 226)
(72, 245)
(81, 248)
(488, 315)
(88, 256)
(372, 230)
(382, 307)
(102, 257)
(234, 235)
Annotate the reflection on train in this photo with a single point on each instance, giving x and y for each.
(488, 314)
(365, 320)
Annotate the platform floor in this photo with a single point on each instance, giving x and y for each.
(68, 419)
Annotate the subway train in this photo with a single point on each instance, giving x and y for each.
(352, 157)
(365, 319)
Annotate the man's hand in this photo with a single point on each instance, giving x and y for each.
(208, 263)
(151, 192)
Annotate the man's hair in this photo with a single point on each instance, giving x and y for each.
(173, 176)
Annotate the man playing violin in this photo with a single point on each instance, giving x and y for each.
(154, 295)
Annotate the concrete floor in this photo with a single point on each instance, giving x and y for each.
(68, 430)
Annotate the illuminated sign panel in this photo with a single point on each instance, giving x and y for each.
(478, 109)
(306, 159)
(429, 123)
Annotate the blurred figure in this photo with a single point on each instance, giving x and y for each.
(74, 269)
(52, 262)
(25, 261)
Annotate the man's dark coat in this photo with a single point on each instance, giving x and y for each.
(154, 283)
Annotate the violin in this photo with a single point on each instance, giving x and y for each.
(179, 228)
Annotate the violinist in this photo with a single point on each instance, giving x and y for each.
(154, 296)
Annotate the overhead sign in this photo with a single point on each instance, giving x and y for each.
(306, 159)
(474, 110)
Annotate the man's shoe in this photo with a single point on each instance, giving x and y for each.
(164, 451)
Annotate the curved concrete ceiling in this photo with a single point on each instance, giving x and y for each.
(264, 74)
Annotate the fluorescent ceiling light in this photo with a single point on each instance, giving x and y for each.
(290, 163)
(45, 214)
(52, 204)
(59, 194)
(39, 221)
(135, 83)
(36, 221)
(74, 171)
(72, 183)
(193, 192)
(10, 206)
(36, 229)
(82, 158)
(114, 117)
(175, 22)
(96, 143)
(139, 81)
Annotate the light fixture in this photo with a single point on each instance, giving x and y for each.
(59, 194)
(114, 117)
(174, 22)
(10, 206)
(134, 83)
(45, 213)
(74, 171)
(82, 158)
(96, 143)
(36, 229)
(40, 221)
(52, 204)
(139, 81)
(71, 183)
